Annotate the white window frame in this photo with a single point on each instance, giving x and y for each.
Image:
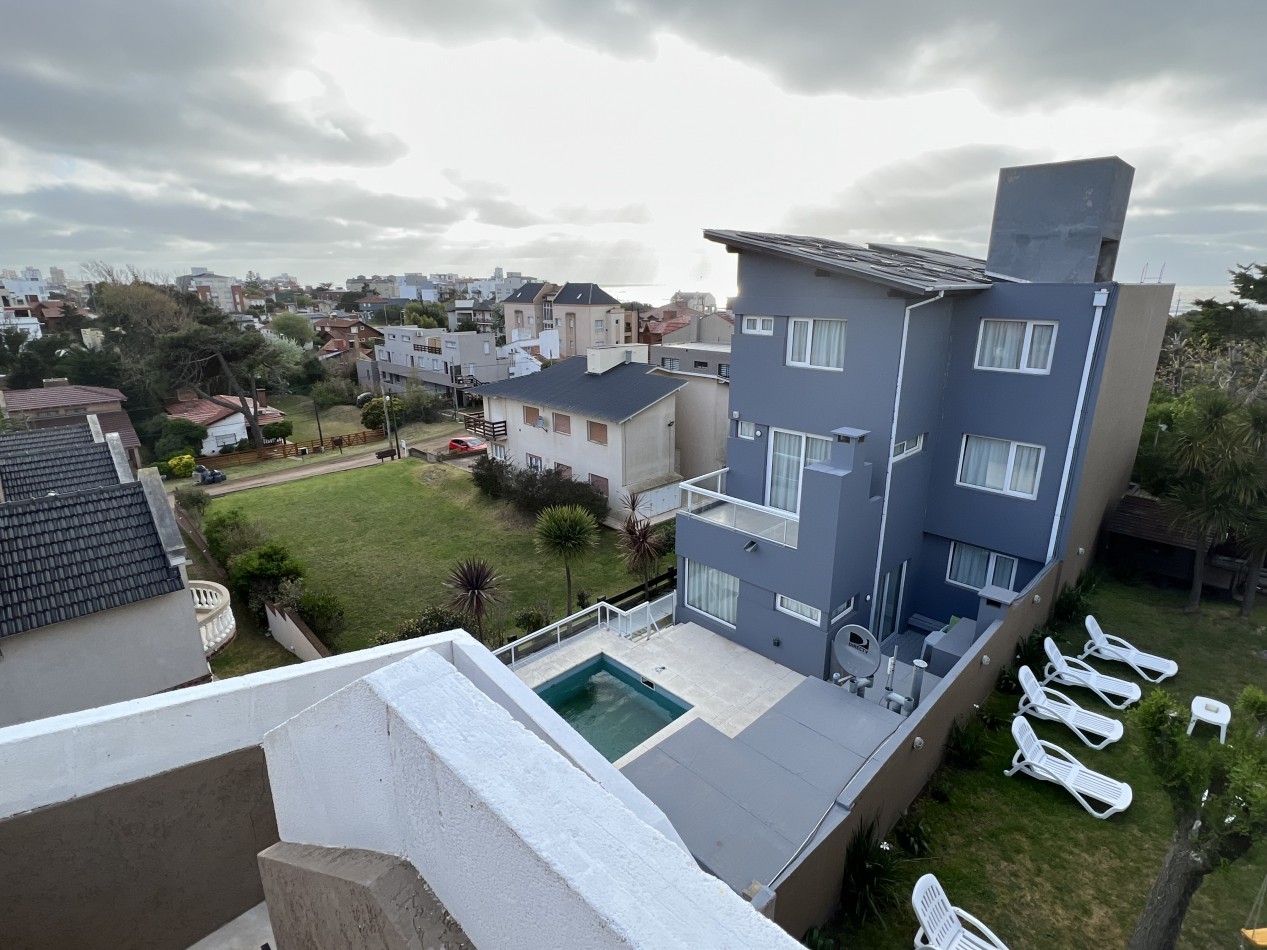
(845, 609)
(1025, 347)
(989, 569)
(769, 464)
(1011, 463)
(788, 605)
(671, 363)
(499, 452)
(535, 463)
(758, 326)
(746, 430)
(807, 363)
(686, 597)
(908, 447)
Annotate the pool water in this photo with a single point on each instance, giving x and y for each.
(610, 706)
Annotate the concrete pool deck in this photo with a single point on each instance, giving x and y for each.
(726, 685)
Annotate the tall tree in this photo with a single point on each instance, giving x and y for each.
(293, 326)
(566, 532)
(1219, 799)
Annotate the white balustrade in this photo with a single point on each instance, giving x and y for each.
(216, 622)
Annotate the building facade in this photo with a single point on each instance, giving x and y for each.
(439, 360)
(223, 292)
(703, 404)
(910, 427)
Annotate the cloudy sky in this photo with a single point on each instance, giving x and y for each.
(594, 139)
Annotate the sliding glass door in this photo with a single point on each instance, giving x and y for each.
(790, 452)
(892, 590)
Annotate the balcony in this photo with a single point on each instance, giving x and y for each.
(215, 617)
(705, 498)
(475, 422)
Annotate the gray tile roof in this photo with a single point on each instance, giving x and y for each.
(616, 395)
(61, 469)
(585, 294)
(526, 294)
(78, 554)
(918, 269)
(29, 440)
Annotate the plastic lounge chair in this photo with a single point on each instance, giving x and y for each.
(1071, 671)
(1094, 729)
(1148, 665)
(1049, 762)
(941, 923)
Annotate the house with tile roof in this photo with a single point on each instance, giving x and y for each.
(225, 426)
(95, 604)
(601, 418)
(586, 315)
(60, 404)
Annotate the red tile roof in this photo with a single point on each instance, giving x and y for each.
(109, 421)
(58, 397)
(204, 412)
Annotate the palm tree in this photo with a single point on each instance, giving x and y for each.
(566, 532)
(476, 587)
(642, 545)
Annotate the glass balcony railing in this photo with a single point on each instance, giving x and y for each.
(705, 498)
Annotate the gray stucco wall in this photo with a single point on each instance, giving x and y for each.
(124, 653)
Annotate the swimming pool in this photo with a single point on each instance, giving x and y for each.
(610, 705)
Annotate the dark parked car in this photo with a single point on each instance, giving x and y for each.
(207, 476)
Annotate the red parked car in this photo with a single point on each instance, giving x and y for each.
(468, 443)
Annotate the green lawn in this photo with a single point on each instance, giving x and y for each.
(383, 538)
(1026, 859)
(335, 420)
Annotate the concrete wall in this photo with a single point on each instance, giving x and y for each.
(703, 425)
(288, 629)
(107, 657)
(156, 863)
(809, 890)
(548, 858)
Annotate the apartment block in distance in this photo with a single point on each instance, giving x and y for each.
(912, 428)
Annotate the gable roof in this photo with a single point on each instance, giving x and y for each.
(615, 396)
(78, 554)
(527, 293)
(204, 412)
(585, 294)
(59, 469)
(58, 397)
(919, 269)
(117, 422)
(30, 440)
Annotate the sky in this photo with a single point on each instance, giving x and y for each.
(590, 140)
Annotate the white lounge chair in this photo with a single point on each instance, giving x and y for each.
(1092, 728)
(1148, 665)
(1049, 762)
(1071, 671)
(941, 923)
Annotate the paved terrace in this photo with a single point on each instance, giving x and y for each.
(747, 775)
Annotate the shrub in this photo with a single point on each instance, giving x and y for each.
(324, 615)
(373, 416)
(1029, 652)
(817, 938)
(912, 835)
(434, 618)
(872, 883)
(230, 533)
(194, 501)
(182, 466)
(278, 430)
(421, 405)
(256, 575)
(227, 449)
(529, 619)
(492, 477)
(966, 743)
(179, 437)
(1074, 602)
(583, 599)
(336, 391)
(668, 534)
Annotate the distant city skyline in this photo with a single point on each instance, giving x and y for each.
(595, 142)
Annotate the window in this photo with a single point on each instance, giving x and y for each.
(600, 483)
(499, 452)
(519, 313)
(597, 432)
(562, 423)
(797, 609)
(532, 415)
(908, 447)
(711, 592)
(564, 470)
(598, 326)
(435, 363)
(790, 452)
(535, 463)
(701, 364)
(723, 370)
(762, 326)
(670, 362)
(1016, 346)
(974, 567)
(746, 430)
(844, 609)
(1011, 468)
(816, 344)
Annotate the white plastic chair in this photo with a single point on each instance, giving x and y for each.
(1071, 671)
(941, 923)
(1148, 665)
(1050, 763)
(1094, 729)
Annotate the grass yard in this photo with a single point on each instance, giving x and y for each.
(383, 538)
(1024, 857)
(335, 420)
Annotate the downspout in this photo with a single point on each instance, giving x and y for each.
(1099, 300)
(888, 474)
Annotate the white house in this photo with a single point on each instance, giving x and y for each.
(224, 426)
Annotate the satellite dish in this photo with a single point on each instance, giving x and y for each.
(856, 650)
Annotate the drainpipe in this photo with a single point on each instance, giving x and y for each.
(1099, 301)
(888, 474)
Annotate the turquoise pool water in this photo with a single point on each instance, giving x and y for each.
(610, 706)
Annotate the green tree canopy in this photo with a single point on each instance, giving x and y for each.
(566, 532)
(295, 327)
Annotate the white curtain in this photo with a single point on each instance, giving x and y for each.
(712, 592)
(828, 345)
(985, 462)
(1025, 469)
(1001, 344)
(969, 565)
(1004, 571)
(1040, 346)
(798, 346)
(786, 450)
(817, 449)
(812, 614)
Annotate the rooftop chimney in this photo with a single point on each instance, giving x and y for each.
(1059, 223)
(261, 399)
(56, 381)
(599, 359)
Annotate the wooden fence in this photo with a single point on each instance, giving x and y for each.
(278, 450)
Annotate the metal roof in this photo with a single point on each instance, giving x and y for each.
(914, 269)
(527, 293)
(616, 395)
(33, 474)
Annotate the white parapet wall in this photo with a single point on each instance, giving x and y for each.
(417, 759)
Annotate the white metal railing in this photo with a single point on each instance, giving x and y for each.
(645, 617)
(216, 622)
(705, 498)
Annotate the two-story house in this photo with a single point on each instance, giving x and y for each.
(602, 418)
(440, 360)
(586, 315)
(59, 403)
(910, 427)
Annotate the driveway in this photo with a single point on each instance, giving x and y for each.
(290, 475)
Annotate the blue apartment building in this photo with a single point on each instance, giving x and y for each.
(911, 427)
